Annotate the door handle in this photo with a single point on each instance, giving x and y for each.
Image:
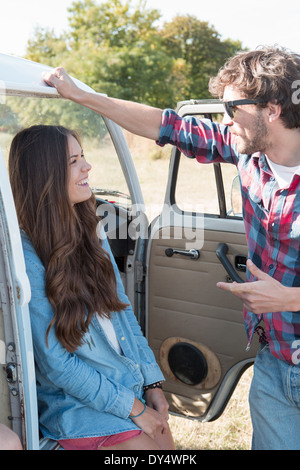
(221, 253)
(193, 254)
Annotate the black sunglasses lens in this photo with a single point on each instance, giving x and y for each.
(228, 110)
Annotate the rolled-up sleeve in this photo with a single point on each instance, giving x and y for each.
(202, 139)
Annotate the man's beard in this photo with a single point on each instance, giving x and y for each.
(259, 142)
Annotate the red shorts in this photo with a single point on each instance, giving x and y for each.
(93, 443)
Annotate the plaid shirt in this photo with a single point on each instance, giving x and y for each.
(272, 227)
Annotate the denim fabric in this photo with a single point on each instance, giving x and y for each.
(275, 403)
(90, 392)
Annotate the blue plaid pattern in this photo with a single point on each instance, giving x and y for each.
(272, 227)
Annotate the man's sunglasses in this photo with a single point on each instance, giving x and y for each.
(230, 105)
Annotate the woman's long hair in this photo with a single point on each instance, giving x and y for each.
(79, 277)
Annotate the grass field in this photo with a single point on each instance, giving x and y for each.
(232, 431)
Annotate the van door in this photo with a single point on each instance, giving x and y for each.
(195, 329)
(18, 405)
(26, 100)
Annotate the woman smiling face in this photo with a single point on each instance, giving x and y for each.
(78, 186)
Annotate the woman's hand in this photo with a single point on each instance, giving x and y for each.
(155, 398)
(151, 421)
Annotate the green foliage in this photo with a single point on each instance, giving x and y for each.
(113, 23)
(8, 119)
(117, 47)
(47, 48)
(198, 51)
(26, 112)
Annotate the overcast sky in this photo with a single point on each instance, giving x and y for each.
(254, 22)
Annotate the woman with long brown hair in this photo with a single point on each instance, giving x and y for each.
(97, 379)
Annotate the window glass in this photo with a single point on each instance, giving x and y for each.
(152, 166)
(196, 188)
(106, 173)
(232, 190)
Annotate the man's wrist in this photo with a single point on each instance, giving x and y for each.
(80, 96)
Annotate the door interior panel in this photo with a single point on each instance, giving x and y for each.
(195, 329)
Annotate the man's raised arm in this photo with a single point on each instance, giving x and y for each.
(136, 118)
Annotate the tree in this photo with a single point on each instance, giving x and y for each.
(117, 48)
(46, 47)
(113, 23)
(124, 55)
(198, 53)
(114, 47)
(8, 119)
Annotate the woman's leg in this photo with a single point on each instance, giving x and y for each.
(145, 442)
(165, 441)
(8, 439)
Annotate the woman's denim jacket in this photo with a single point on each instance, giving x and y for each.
(89, 392)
